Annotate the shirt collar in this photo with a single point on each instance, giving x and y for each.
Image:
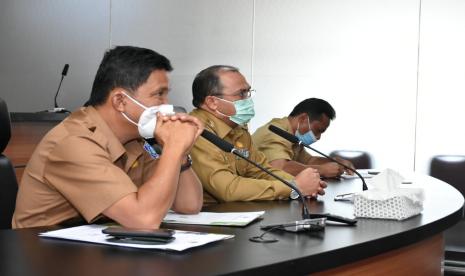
(286, 123)
(214, 123)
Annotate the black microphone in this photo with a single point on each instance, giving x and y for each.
(63, 74)
(65, 70)
(306, 222)
(293, 139)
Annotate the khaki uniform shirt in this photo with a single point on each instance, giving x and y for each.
(78, 170)
(275, 147)
(226, 177)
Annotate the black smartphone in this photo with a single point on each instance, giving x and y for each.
(139, 240)
(137, 234)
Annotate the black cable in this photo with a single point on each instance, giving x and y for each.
(260, 238)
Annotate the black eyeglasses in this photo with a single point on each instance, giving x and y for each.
(244, 94)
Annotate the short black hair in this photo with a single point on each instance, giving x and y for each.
(127, 67)
(314, 108)
(207, 82)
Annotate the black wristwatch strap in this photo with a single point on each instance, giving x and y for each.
(187, 165)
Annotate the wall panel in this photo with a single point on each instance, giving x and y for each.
(441, 100)
(192, 34)
(38, 38)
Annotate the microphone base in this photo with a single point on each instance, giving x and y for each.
(58, 110)
(345, 197)
(304, 225)
(334, 218)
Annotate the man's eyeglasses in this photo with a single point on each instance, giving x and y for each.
(244, 94)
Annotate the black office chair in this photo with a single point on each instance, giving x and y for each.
(451, 169)
(8, 182)
(360, 159)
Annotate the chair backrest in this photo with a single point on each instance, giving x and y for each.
(5, 125)
(450, 169)
(8, 182)
(9, 189)
(360, 159)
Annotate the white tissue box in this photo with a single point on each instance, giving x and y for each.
(397, 207)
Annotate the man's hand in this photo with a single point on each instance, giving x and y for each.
(186, 118)
(309, 183)
(179, 130)
(348, 164)
(330, 169)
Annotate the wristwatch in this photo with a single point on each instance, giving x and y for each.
(294, 194)
(188, 163)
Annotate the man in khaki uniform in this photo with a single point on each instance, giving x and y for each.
(308, 120)
(93, 165)
(223, 102)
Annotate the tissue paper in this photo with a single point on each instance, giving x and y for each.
(387, 200)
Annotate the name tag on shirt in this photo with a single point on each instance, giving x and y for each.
(148, 148)
(243, 152)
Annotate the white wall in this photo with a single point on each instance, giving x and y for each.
(393, 70)
(358, 55)
(441, 100)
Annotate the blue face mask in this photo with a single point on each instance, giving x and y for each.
(306, 138)
(244, 111)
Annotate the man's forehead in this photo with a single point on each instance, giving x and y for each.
(231, 77)
(158, 78)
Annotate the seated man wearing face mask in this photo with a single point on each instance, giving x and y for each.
(309, 119)
(223, 101)
(93, 165)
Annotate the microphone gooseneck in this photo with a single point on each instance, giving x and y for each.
(293, 139)
(63, 74)
(228, 147)
(217, 141)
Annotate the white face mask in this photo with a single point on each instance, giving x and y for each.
(148, 118)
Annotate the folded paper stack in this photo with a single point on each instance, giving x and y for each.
(386, 199)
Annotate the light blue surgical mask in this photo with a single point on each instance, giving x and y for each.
(307, 138)
(244, 111)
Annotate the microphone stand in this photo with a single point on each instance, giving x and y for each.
(294, 140)
(56, 108)
(341, 197)
(364, 185)
(305, 212)
(308, 218)
(309, 221)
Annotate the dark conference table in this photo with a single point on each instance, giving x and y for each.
(413, 246)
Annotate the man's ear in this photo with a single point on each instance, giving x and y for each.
(117, 100)
(302, 118)
(211, 102)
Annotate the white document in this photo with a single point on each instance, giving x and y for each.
(93, 234)
(208, 218)
(363, 172)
